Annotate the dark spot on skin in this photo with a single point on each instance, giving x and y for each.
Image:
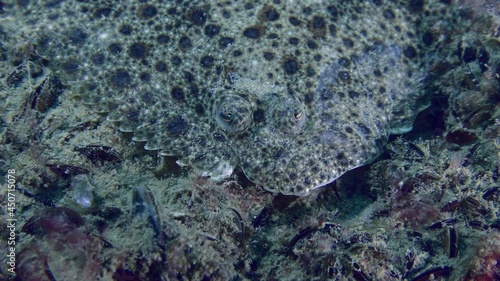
(317, 26)
(269, 13)
(293, 40)
(333, 11)
(310, 72)
(177, 126)
(211, 30)
(126, 29)
(253, 32)
(176, 60)
(224, 42)
(377, 2)
(388, 14)
(162, 39)
(226, 14)
(272, 36)
(318, 22)
(427, 38)
(194, 90)
(348, 42)
(326, 95)
(77, 36)
(47, 4)
(345, 62)
(365, 130)
(177, 93)
(148, 98)
(161, 66)
(145, 77)
(102, 12)
(308, 98)
(120, 79)
(117, 14)
(199, 109)
(268, 56)
(416, 5)
(198, 16)
(172, 11)
(115, 48)
(137, 50)
(70, 67)
(237, 53)
(292, 176)
(332, 30)
(348, 130)
(258, 115)
(290, 65)
(188, 76)
(248, 6)
(220, 137)
(344, 76)
(307, 181)
(148, 11)
(410, 52)
(98, 59)
(184, 43)
(353, 94)
(207, 61)
(294, 21)
(312, 45)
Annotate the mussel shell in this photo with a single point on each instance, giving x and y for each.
(99, 153)
(461, 137)
(45, 94)
(450, 242)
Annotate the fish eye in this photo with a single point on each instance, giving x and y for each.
(225, 113)
(289, 116)
(298, 115)
(233, 114)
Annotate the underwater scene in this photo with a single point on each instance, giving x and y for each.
(158, 140)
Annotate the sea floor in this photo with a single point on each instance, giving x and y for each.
(82, 201)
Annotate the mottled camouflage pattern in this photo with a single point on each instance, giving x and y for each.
(295, 93)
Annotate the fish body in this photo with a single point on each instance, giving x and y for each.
(295, 93)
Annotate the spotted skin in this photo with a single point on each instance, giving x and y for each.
(295, 93)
